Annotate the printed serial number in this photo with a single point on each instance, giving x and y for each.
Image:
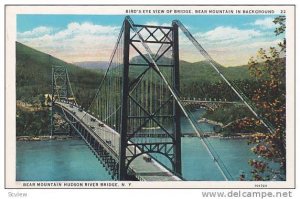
(261, 185)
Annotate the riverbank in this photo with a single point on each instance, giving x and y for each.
(220, 136)
(47, 137)
(212, 122)
(75, 137)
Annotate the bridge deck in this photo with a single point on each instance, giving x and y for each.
(145, 171)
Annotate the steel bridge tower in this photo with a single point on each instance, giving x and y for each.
(60, 92)
(138, 105)
(171, 148)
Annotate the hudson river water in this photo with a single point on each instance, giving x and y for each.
(73, 160)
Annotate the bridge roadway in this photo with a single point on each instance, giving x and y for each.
(143, 170)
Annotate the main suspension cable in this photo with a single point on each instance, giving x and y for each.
(109, 65)
(214, 64)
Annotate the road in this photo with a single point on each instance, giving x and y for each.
(144, 170)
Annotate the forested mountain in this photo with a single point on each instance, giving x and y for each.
(33, 76)
(33, 80)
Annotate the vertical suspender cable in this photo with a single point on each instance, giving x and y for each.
(213, 63)
(109, 65)
(225, 174)
(69, 83)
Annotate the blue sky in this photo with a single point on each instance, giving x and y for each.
(203, 22)
(230, 39)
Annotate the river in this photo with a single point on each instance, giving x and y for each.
(72, 160)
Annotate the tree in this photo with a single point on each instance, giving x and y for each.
(270, 98)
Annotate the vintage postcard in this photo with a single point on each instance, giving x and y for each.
(140, 96)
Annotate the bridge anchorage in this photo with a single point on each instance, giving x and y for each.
(133, 121)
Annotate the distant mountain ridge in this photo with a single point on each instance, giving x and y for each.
(93, 64)
(199, 71)
(196, 71)
(33, 73)
(34, 80)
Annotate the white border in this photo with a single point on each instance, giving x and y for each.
(10, 37)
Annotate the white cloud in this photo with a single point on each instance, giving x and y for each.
(155, 23)
(87, 42)
(233, 55)
(229, 46)
(36, 32)
(227, 55)
(223, 35)
(266, 23)
(77, 42)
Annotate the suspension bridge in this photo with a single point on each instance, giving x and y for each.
(137, 108)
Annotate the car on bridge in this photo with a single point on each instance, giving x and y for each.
(108, 142)
(147, 158)
(92, 127)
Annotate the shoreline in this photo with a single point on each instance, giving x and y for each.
(47, 137)
(215, 135)
(212, 122)
(76, 137)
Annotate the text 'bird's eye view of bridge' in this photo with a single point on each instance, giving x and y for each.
(149, 119)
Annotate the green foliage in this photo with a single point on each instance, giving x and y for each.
(281, 22)
(198, 79)
(236, 118)
(218, 89)
(33, 75)
(32, 122)
(227, 113)
(33, 80)
(271, 99)
(203, 72)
